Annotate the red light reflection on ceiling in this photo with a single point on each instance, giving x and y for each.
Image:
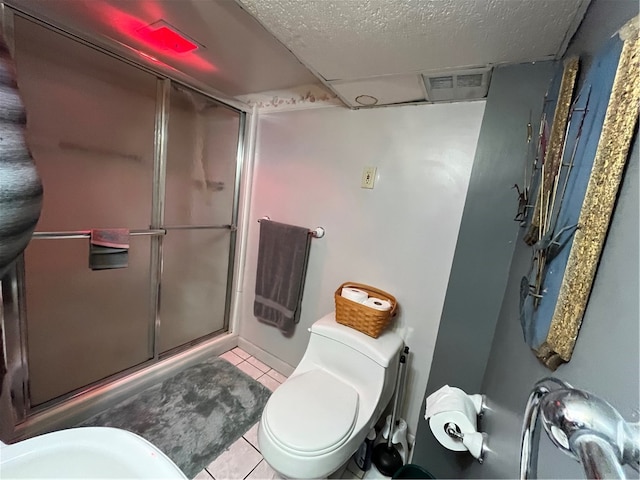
(165, 38)
(134, 33)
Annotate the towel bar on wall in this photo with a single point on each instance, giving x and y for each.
(317, 232)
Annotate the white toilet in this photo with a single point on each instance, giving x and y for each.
(320, 415)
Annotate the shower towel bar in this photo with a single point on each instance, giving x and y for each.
(233, 228)
(317, 232)
(87, 234)
(135, 233)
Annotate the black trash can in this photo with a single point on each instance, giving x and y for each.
(412, 471)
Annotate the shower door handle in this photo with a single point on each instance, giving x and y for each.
(87, 234)
(230, 227)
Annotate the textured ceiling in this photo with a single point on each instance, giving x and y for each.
(381, 48)
(352, 39)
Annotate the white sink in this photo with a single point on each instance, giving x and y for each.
(91, 452)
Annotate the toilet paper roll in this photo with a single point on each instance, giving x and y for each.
(354, 294)
(452, 398)
(451, 405)
(378, 304)
(440, 420)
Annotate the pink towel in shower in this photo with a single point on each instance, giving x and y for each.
(109, 248)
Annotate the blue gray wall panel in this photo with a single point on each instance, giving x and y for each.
(484, 249)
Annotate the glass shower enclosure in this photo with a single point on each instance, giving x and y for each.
(117, 146)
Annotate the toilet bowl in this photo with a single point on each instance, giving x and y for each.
(320, 415)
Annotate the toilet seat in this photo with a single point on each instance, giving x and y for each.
(314, 401)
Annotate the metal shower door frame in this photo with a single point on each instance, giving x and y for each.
(12, 286)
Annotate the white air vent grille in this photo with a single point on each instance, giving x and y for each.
(469, 81)
(441, 82)
(466, 85)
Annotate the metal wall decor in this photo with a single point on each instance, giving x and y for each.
(549, 169)
(578, 185)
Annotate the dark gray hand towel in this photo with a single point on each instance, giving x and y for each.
(109, 248)
(283, 254)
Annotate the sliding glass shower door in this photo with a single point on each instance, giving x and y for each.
(90, 129)
(97, 128)
(199, 211)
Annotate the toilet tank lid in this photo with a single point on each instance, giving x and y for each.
(381, 350)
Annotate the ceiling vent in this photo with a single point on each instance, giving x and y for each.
(454, 86)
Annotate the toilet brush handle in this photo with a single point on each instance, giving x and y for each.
(394, 412)
(403, 382)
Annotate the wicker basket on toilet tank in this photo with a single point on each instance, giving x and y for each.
(361, 317)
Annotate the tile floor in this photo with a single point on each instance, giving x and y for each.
(243, 460)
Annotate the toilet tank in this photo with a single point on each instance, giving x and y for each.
(382, 350)
(369, 364)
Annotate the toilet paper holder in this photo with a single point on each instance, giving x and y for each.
(453, 417)
(454, 432)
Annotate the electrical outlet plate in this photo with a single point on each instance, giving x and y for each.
(368, 177)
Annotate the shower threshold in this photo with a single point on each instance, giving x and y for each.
(80, 407)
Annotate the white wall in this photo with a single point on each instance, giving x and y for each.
(399, 237)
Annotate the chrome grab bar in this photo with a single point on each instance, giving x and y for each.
(583, 426)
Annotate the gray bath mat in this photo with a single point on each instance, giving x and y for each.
(193, 416)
